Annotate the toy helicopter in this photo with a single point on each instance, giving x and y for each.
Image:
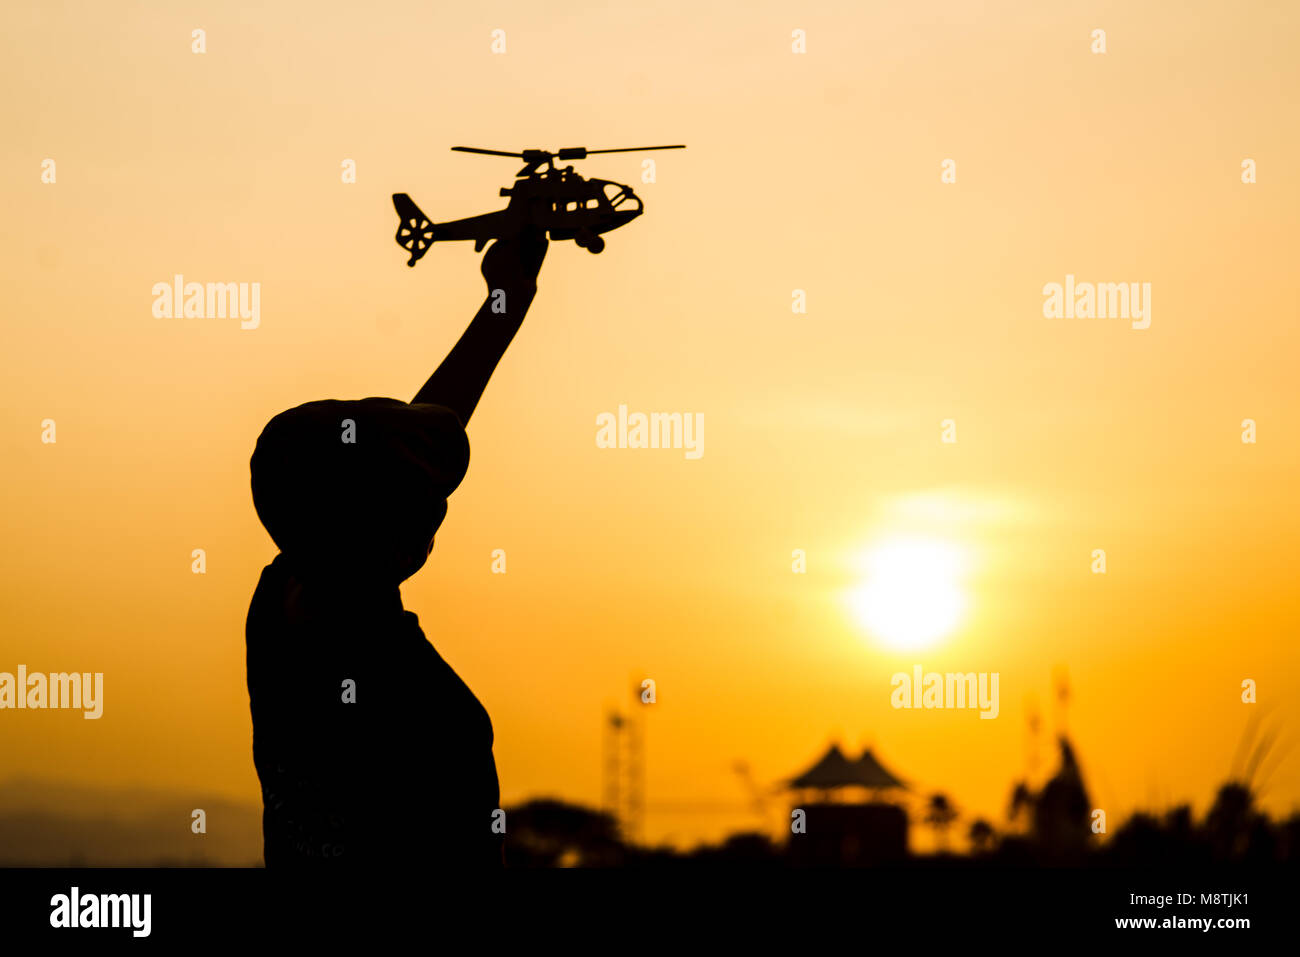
(554, 199)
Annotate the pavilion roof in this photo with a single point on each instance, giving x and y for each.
(835, 770)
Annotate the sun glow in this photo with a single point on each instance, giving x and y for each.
(913, 594)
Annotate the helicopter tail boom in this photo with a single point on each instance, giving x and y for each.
(416, 232)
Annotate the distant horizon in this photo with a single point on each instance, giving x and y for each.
(920, 842)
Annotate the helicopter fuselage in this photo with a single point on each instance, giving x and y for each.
(544, 196)
(559, 202)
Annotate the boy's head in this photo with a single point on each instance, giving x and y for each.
(355, 490)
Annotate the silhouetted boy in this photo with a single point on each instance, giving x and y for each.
(369, 748)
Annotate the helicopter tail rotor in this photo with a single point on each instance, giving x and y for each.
(414, 229)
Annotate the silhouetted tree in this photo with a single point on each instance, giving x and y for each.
(1230, 820)
(1022, 803)
(939, 814)
(748, 849)
(549, 833)
(981, 835)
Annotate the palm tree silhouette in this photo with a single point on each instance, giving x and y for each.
(981, 835)
(939, 814)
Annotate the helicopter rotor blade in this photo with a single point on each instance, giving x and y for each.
(475, 149)
(637, 149)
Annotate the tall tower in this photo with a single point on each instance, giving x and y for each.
(634, 809)
(623, 768)
(612, 763)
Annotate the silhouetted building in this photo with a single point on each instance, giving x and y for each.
(835, 832)
(1061, 810)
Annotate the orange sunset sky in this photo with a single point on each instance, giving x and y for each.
(822, 431)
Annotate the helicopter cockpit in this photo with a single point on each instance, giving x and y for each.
(622, 198)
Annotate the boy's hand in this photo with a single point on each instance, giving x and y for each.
(513, 263)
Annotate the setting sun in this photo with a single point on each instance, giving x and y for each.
(912, 595)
